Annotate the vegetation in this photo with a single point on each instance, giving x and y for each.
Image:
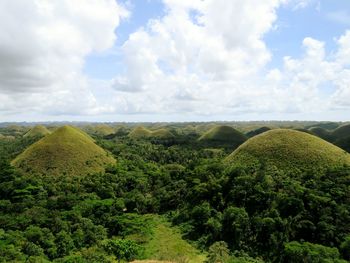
(223, 136)
(66, 151)
(341, 132)
(100, 129)
(37, 131)
(139, 132)
(289, 151)
(257, 131)
(322, 133)
(174, 199)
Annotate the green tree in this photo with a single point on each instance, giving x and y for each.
(122, 248)
(218, 253)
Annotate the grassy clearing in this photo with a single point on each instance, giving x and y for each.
(165, 243)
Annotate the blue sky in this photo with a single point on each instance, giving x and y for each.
(175, 60)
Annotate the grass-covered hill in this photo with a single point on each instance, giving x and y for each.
(68, 150)
(257, 131)
(322, 133)
(142, 133)
(161, 134)
(139, 132)
(288, 151)
(341, 132)
(99, 129)
(223, 135)
(37, 131)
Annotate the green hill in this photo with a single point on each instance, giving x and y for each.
(139, 132)
(343, 143)
(161, 134)
(100, 129)
(223, 135)
(341, 132)
(322, 133)
(257, 131)
(37, 131)
(68, 151)
(288, 150)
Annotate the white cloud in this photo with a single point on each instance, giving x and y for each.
(201, 52)
(210, 58)
(43, 45)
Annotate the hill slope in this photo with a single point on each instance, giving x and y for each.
(223, 135)
(257, 131)
(139, 132)
(341, 132)
(161, 134)
(68, 150)
(322, 133)
(37, 131)
(288, 150)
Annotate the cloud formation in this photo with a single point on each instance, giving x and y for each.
(210, 58)
(200, 58)
(43, 45)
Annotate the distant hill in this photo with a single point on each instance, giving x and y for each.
(223, 135)
(341, 132)
(322, 133)
(37, 131)
(67, 151)
(142, 133)
(257, 131)
(99, 129)
(161, 134)
(288, 150)
(325, 125)
(139, 132)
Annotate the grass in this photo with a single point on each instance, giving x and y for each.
(288, 150)
(141, 132)
(341, 132)
(67, 151)
(322, 133)
(37, 131)
(100, 129)
(257, 131)
(165, 243)
(223, 134)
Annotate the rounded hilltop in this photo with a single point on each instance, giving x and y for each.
(37, 131)
(223, 135)
(141, 132)
(161, 134)
(288, 151)
(66, 151)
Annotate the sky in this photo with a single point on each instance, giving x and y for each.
(174, 60)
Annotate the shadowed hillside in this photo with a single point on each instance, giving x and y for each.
(257, 131)
(341, 132)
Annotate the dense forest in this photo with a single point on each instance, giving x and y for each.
(178, 182)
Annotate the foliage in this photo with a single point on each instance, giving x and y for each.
(176, 199)
(289, 151)
(65, 151)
